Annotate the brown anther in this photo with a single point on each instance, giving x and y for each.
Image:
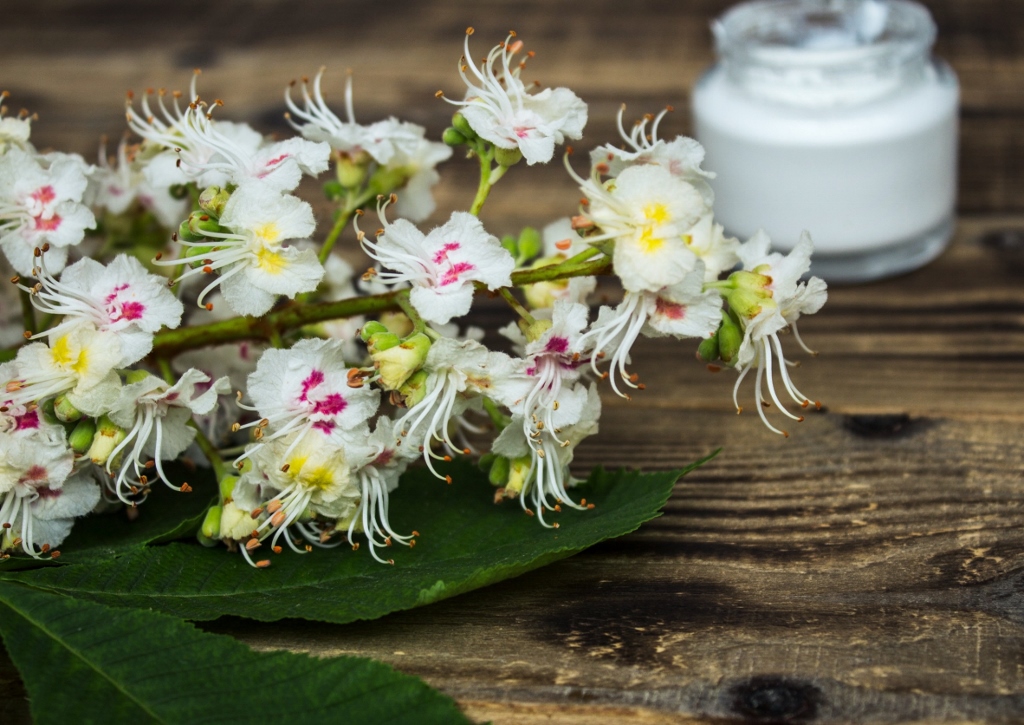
(54, 554)
(584, 202)
(714, 368)
(7, 526)
(412, 544)
(604, 376)
(466, 451)
(15, 279)
(209, 306)
(353, 373)
(263, 563)
(355, 383)
(448, 480)
(204, 217)
(133, 489)
(276, 549)
(470, 30)
(765, 404)
(309, 548)
(36, 252)
(387, 541)
(46, 247)
(785, 434)
(27, 334)
(447, 459)
(355, 546)
(800, 419)
(263, 423)
(641, 386)
(529, 512)
(557, 508)
(739, 410)
(581, 222)
(568, 150)
(143, 479)
(235, 427)
(634, 377)
(285, 467)
(44, 548)
(555, 525)
(590, 506)
(185, 488)
(420, 448)
(325, 536)
(207, 269)
(252, 544)
(257, 434)
(563, 244)
(817, 404)
(602, 168)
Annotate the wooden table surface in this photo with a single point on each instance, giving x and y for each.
(868, 569)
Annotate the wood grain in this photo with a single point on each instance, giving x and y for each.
(868, 569)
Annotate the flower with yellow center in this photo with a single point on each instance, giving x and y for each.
(645, 212)
(252, 261)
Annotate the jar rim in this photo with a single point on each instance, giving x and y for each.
(793, 34)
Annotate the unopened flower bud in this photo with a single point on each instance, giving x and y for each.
(236, 523)
(462, 126)
(64, 410)
(382, 341)
(500, 467)
(213, 199)
(186, 234)
(747, 303)
(730, 337)
(370, 329)
(80, 438)
(518, 468)
(209, 532)
(414, 389)
(508, 157)
(227, 486)
(396, 364)
(351, 169)
(708, 349)
(108, 436)
(200, 222)
(453, 137)
(530, 245)
(390, 178)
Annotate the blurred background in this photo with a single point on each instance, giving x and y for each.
(72, 62)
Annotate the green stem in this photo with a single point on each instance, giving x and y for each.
(169, 343)
(506, 294)
(352, 202)
(220, 469)
(165, 370)
(499, 419)
(484, 187)
(28, 312)
(417, 322)
(583, 256)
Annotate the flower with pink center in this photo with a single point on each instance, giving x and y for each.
(41, 205)
(509, 114)
(121, 297)
(114, 186)
(306, 388)
(681, 310)
(441, 266)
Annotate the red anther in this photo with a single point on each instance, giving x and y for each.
(185, 488)
(252, 544)
(54, 554)
(800, 419)
(670, 109)
(590, 506)
(466, 451)
(817, 404)
(805, 404)
(255, 514)
(641, 386)
(714, 368)
(263, 563)
(634, 377)
(159, 256)
(602, 168)
(563, 244)
(568, 150)
(785, 434)
(604, 376)
(276, 549)
(207, 269)
(209, 306)
(448, 480)
(447, 459)
(557, 508)
(515, 47)
(44, 548)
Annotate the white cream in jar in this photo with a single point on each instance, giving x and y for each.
(831, 116)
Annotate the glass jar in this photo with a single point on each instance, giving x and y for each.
(832, 116)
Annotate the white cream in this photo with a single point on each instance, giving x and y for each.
(829, 116)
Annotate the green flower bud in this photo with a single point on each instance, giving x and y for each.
(414, 389)
(213, 199)
(135, 376)
(333, 190)
(708, 349)
(507, 157)
(371, 328)
(748, 304)
(730, 337)
(227, 486)
(80, 438)
(530, 244)
(186, 234)
(396, 364)
(209, 532)
(351, 170)
(462, 126)
(518, 469)
(46, 408)
(387, 179)
(511, 245)
(199, 222)
(383, 341)
(453, 137)
(500, 468)
(108, 436)
(64, 410)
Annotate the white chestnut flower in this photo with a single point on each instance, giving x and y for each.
(253, 261)
(442, 266)
(116, 185)
(501, 109)
(41, 205)
(121, 297)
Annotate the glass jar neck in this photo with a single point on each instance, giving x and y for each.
(824, 53)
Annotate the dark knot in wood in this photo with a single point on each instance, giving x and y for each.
(770, 699)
